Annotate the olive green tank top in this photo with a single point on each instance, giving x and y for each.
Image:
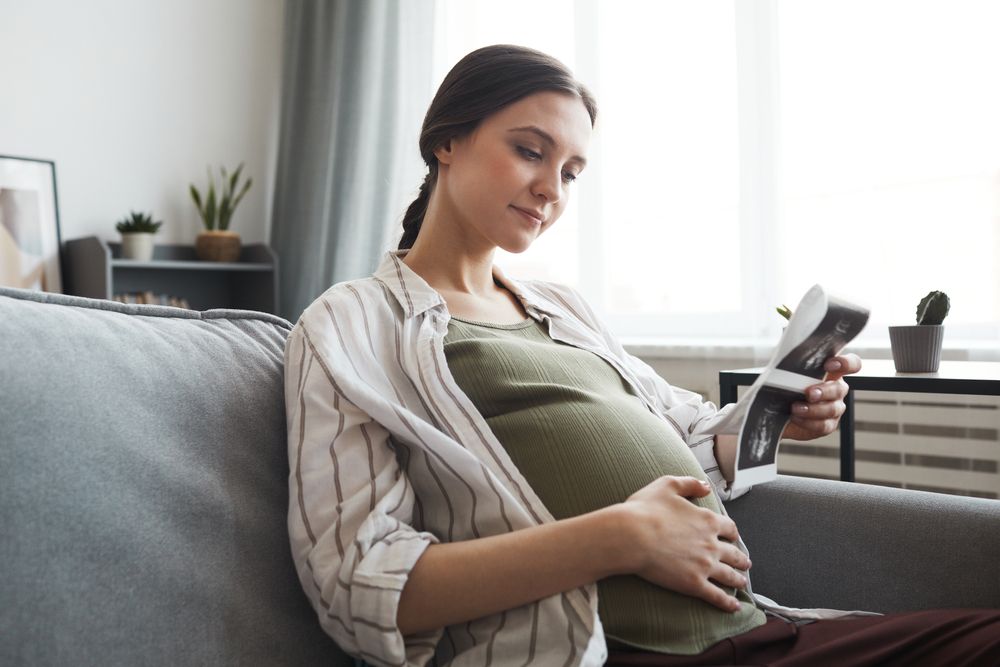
(584, 440)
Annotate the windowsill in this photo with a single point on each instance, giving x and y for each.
(754, 352)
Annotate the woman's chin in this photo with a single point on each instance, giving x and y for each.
(517, 247)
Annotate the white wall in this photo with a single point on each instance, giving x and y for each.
(132, 99)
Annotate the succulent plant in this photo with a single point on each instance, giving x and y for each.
(138, 222)
(216, 212)
(933, 308)
(784, 311)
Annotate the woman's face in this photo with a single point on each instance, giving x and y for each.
(510, 180)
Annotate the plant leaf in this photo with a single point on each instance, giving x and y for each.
(210, 209)
(246, 187)
(196, 196)
(236, 178)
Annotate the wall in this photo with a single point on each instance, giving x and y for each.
(133, 99)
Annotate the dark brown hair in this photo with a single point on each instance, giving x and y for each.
(479, 85)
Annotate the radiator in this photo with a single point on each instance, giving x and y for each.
(931, 442)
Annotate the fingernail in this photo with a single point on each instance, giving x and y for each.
(833, 365)
(814, 394)
(800, 408)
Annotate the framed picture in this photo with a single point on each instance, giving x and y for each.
(29, 225)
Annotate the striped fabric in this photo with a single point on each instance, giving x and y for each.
(387, 456)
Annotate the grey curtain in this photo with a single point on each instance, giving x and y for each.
(356, 83)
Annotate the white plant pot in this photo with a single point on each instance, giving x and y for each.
(137, 245)
(916, 348)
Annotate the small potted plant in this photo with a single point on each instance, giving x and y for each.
(916, 348)
(137, 232)
(216, 242)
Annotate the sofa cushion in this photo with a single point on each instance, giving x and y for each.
(143, 488)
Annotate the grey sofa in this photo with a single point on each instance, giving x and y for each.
(143, 482)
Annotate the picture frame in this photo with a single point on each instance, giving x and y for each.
(30, 241)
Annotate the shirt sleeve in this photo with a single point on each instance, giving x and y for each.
(350, 509)
(688, 411)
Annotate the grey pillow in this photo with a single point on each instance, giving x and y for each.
(143, 488)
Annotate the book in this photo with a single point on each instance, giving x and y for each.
(149, 298)
(820, 327)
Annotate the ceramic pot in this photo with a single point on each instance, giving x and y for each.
(916, 348)
(217, 246)
(137, 245)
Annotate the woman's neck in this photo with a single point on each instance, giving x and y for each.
(450, 261)
(462, 276)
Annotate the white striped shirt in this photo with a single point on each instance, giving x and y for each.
(388, 456)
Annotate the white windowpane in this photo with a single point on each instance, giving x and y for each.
(891, 153)
(670, 172)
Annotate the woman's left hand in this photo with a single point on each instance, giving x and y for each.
(820, 411)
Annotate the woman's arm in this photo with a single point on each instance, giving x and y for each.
(350, 512)
(656, 533)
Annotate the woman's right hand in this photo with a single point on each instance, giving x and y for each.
(681, 546)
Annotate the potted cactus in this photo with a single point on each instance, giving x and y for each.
(917, 348)
(216, 242)
(137, 232)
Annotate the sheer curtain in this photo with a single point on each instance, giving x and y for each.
(748, 149)
(357, 80)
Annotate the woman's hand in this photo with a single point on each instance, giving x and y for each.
(680, 546)
(820, 412)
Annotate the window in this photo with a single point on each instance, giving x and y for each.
(746, 150)
(890, 142)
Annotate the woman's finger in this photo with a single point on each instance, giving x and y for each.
(832, 390)
(733, 558)
(826, 410)
(714, 595)
(726, 576)
(726, 528)
(841, 365)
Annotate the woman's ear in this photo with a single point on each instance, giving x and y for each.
(444, 152)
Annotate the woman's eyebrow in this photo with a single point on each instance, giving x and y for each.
(547, 138)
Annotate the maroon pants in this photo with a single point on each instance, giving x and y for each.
(934, 638)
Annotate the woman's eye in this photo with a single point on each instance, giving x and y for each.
(528, 153)
(568, 177)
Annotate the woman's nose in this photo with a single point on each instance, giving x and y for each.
(548, 185)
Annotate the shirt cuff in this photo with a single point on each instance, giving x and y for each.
(376, 587)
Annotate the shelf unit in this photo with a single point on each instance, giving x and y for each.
(95, 268)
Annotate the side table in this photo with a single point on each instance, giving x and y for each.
(977, 378)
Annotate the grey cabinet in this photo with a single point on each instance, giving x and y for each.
(95, 268)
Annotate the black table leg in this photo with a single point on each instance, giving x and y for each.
(847, 439)
(727, 389)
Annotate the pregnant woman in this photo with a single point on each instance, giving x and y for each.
(482, 475)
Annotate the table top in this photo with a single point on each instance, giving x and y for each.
(952, 377)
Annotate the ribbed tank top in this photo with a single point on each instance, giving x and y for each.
(584, 440)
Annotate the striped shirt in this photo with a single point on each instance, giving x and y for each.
(388, 456)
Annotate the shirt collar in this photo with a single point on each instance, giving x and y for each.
(415, 296)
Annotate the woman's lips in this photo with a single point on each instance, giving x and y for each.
(530, 217)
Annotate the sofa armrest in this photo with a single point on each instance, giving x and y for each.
(820, 543)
